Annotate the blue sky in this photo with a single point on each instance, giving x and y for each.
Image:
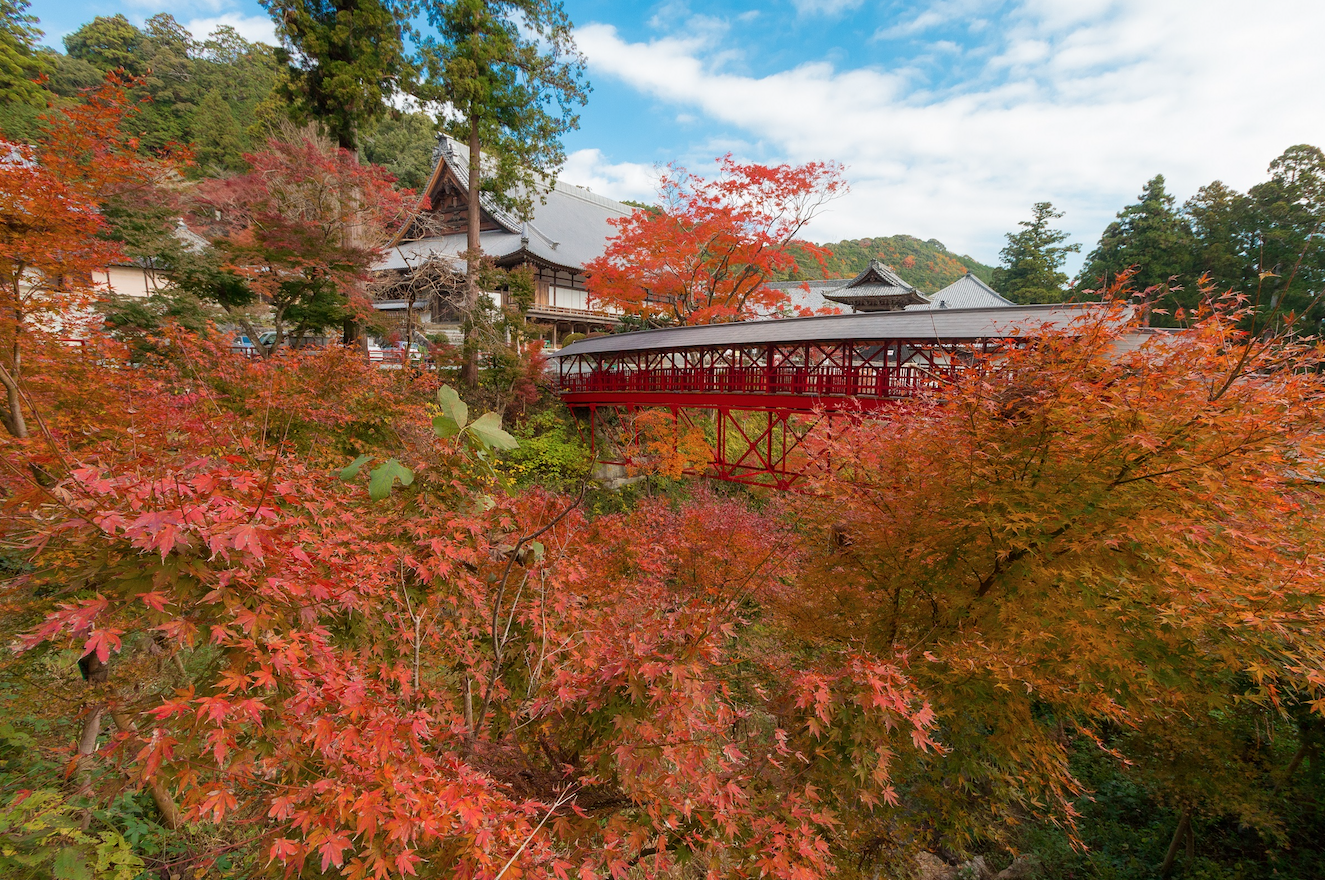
(951, 116)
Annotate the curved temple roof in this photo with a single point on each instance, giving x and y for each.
(933, 324)
(569, 228)
(967, 292)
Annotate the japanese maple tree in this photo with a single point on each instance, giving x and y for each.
(706, 254)
(52, 223)
(303, 226)
(449, 676)
(291, 601)
(1086, 538)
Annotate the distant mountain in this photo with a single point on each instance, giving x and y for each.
(929, 265)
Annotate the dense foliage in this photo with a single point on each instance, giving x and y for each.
(1263, 244)
(346, 60)
(64, 214)
(211, 93)
(705, 253)
(302, 228)
(1032, 262)
(1094, 550)
(1072, 569)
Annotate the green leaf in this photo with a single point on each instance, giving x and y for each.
(539, 550)
(353, 470)
(453, 406)
(487, 428)
(384, 477)
(70, 865)
(445, 426)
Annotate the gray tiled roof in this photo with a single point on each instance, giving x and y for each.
(954, 324)
(813, 297)
(875, 275)
(967, 292)
(877, 287)
(568, 229)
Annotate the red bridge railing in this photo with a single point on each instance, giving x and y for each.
(857, 380)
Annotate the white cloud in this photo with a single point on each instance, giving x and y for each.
(1077, 103)
(940, 13)
(922, 22)
(254, 28)
(624, 180)
(824, 7)
(187, 7)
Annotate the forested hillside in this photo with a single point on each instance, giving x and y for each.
(929, 265)
(221, 95)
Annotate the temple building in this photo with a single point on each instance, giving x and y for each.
(880, 289)
(967, 292)
(877, 289)
(424, 265)
(423, 271)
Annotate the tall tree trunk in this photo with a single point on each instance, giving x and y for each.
(351, 235)
(252, 333)
(409, 323)
(87, 746)
(1179, 835)
(469, 367)
(14, 421)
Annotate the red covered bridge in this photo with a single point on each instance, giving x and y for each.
(755, 389)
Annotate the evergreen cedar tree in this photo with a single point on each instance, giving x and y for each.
(1151, 235)
(1262, 243)
(346, 59)
(1032, 262)
(511, 77)
(55, 200)
(20, 62)
(1071, 542)
(709, 251)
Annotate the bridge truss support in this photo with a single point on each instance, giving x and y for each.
(744, 398)
(773, 447)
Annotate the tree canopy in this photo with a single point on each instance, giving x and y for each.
(708, 251)
(59, 202)
(512, 78)
(281, 226)
(189, 92)
(1031, 271)
(347, 60)
(1151, 235)
(20, 61)
(329, 636)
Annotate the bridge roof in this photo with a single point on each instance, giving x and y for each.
(931, 324)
